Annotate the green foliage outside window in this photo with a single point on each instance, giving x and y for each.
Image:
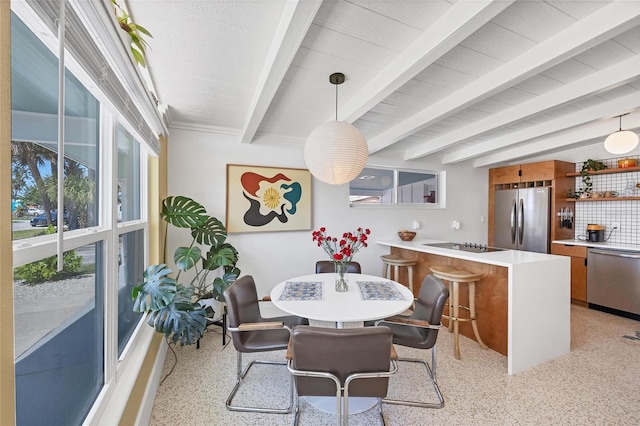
(44, 270)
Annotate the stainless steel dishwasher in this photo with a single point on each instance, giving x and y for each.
(613, 281)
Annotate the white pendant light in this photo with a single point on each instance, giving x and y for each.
(336, 152)
(622, 141)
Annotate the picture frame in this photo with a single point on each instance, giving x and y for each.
(267, 199)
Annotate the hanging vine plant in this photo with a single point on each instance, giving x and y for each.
(135, 31)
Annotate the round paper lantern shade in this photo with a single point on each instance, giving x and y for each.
(336, 152)
(621, 142)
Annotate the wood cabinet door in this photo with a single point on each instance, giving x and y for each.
(501, 175)
(578, 279)
(544, 170)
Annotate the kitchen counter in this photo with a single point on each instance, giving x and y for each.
(523, 300)
(604, 245)
(499, 258)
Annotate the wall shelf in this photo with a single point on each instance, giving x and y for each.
(579, 200)
(607, 171)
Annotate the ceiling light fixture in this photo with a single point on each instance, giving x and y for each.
(336, 152)
(622, 141)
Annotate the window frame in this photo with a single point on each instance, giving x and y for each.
(107, 231)
(441, 191)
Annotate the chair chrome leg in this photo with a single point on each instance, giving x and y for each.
(296, 418)
(240, 375)
(379, 404)
(432, 377)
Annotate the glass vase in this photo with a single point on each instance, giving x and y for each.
(341, 276)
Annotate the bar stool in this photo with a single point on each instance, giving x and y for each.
(455, 277)
(390, 260)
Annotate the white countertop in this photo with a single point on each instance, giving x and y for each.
(604, 245)
(499, 258)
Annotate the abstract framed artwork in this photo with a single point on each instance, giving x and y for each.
(262, 199)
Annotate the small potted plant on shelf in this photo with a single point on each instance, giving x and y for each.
(173, 304)
(587, 167)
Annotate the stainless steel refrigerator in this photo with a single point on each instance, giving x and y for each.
(523, 219)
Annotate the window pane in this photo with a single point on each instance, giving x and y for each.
(417, 188)
(128, 176)
(34, 112)
(130, 269)
(34, 141)
(59, 337)
(372, 186)
(80, 154)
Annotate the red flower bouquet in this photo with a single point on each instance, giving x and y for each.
(341, 250)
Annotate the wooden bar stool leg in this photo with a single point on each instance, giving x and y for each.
(396, 271)
(454, 319)
(472, 312)
(385, 270)
(410, 273)
(451, 300)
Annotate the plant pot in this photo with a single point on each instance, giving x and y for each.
(212, 305)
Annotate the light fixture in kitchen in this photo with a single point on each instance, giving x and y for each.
(622, 141)
(336, 152)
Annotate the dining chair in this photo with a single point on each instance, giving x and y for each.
(250, 332)
(420, 330)
(327, 266)
(344, 363)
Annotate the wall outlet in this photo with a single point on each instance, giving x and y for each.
(615, 225)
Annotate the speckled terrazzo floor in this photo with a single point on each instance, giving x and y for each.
(597, 383)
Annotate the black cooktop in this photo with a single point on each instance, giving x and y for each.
(471, 247)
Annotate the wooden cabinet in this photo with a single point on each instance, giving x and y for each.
(504, 175)
(545, 173)
(578, 256)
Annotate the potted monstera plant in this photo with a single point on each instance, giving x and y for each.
(206, 267)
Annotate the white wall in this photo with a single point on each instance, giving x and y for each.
(197, 169)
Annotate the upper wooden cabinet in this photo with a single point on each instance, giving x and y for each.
(533, 173)
(502, 175)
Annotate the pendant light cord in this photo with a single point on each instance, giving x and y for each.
(336, 102)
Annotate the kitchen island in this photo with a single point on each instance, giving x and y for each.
(523, 300)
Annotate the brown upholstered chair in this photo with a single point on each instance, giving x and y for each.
(324, 266)
(251, 332)
(350, 362)
(420, 330)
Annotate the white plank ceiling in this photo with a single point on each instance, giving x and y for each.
(494, 82)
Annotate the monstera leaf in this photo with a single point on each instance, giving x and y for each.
(222, 255)
(182, 320)
(156, 291)
(211, 233)
(183, 212)
(186, 257)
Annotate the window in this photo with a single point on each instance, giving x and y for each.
(128, 176)
(59, 337)
(69, 340)
(376, 186)
(130, 269)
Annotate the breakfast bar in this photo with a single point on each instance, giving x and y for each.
(523, 299)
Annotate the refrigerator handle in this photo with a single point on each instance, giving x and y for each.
(513, 221)
(521, 222)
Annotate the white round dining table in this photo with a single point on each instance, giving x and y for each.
(369, 298)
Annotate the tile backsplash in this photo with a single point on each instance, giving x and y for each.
(622, 213)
